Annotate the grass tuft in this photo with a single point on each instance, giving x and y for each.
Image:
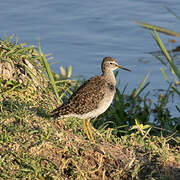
(126, 146)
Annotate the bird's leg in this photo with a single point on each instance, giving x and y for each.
(89, 130)
(95, 130)
(86, 129)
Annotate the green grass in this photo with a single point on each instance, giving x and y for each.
(127, 145)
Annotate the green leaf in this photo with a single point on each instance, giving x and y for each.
(158, 28)
(69, 71)
(138, 90)
(168, 57)
(49, 72)
(63, 72)
(164, 74)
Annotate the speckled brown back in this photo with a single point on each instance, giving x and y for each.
(85, 99)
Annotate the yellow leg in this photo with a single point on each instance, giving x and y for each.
(89, 130)
(86, 129)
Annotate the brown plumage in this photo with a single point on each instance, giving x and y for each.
(94, 96)
(85, 99)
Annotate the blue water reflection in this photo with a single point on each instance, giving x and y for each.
(81, 33)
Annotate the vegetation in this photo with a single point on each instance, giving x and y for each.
(135, 139)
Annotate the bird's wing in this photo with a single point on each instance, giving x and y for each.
(85, 99)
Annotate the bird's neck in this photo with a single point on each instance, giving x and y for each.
(109, 76)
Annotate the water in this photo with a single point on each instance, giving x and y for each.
(81, 33)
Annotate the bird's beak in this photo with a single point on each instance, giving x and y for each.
(121, 67)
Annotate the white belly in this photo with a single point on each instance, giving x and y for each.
(102, 107)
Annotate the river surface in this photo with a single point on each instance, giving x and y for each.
(81, 33)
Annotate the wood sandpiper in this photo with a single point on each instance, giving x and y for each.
(93, 97)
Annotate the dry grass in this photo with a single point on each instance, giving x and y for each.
(34, 146)
(37, 147)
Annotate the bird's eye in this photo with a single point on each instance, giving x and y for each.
(111, 63)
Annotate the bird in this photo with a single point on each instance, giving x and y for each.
(92, 98)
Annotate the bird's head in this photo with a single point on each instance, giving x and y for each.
(110, 64)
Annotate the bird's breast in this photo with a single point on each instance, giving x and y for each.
(111, 87)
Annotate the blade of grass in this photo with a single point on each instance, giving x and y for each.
(138, 90)
(164, 74)
(175, 89)
(49, 73)
(168, 57)
(69, 72)
(158, 28)
(160, 59)
(62, 70)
